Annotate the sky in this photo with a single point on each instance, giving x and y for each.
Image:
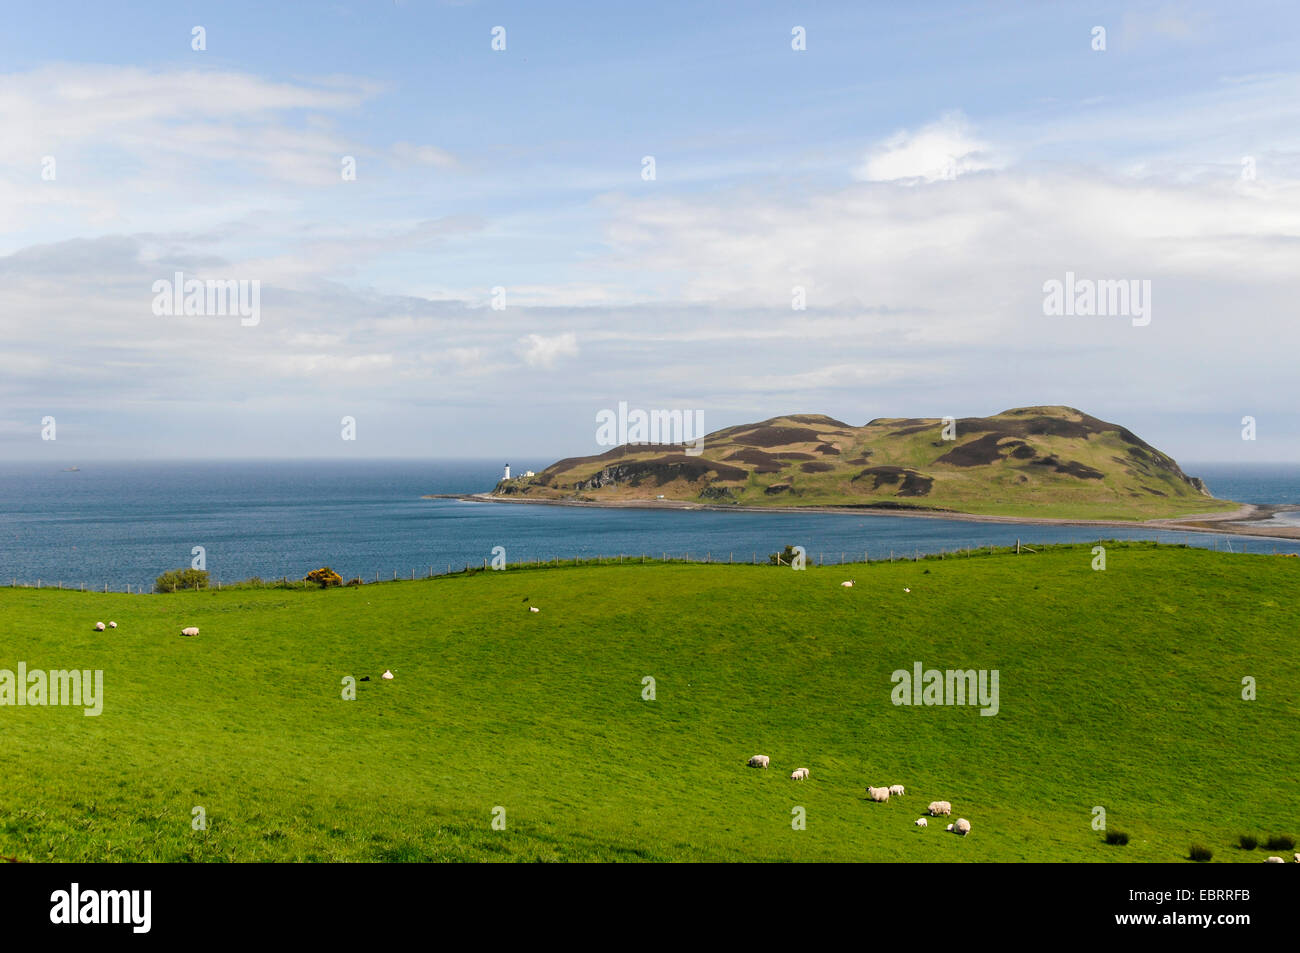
(470, 251)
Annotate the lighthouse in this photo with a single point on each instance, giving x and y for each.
(507, 476)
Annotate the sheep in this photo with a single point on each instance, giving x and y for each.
(1275, 860)
(388, 674)
(534, 609)
(939, 807)
(799, 774)
(112, 625)
(896, 790)
(848, 584)
(905, 589)
(878, 794)
(99, 627)
(922, 822)
(962, 827)
(759, 761)
(1297, 858)
(192, 630)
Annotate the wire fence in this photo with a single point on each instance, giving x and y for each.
(843, 558)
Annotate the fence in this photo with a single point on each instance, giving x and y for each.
(599, 559)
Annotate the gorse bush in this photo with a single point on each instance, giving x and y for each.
(176, 579)
(1200, 853)
(1280, 842)
(324, 577)
(1248, 841)
(1118, 838)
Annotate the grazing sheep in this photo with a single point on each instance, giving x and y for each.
(1275, 860)
(896, 790)
(962, 827)
(1297, 858)
(939, 807)
(849, 584)
(387, 675)
(799, 774)
(905, 589)
(192, 630)
(878, 794)
(534, 609)
(922, 822)
(759, 761)
(112, 625)
(99, 627)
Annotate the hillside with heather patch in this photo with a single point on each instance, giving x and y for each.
(1053, 462)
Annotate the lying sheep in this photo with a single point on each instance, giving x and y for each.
(939, 807)
(922, 822)
(192, 630)
(799, 774)
(848, 584)
(388, 675)
(878, 794)
(1297, 858)
(112, 625)
(1275, 860)
(99, 627)
(759, 761)
(896, 790)
(534, 609)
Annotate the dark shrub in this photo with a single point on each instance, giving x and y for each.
(1248, 841)
(1199, 853)
(786, 558)
(355, 581)
(175, 579)
(1118, 838)
(1280, 842)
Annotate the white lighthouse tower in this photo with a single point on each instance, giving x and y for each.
(507, 476)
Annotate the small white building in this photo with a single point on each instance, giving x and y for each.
(507, 476)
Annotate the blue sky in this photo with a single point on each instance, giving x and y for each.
(921, 170)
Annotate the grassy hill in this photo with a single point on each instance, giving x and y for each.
(1034, 461)
(1119, 688)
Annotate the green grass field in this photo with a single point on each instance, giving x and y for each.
(1120, 689)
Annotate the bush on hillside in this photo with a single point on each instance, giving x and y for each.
(1248, 841)
(1280, 842)
(324, 577)
(175, 579)
(1199, 853)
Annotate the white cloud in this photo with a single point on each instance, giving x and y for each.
(943, 149)
(540, 351)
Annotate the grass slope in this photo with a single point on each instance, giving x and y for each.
(1053, 462)
(1119, 688)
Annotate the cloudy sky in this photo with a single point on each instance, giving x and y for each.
(919, 170)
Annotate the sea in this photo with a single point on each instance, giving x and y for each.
(122, 524)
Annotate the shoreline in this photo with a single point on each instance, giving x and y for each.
(1244, 521)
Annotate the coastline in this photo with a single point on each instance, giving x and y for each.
(1244, 521)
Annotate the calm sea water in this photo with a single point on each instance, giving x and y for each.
(120, 523)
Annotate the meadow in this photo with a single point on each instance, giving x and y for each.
(1119, 688)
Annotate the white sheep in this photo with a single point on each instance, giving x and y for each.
(962, 827)
(905, 589)
(939, 807)
(799, 774)
(388, 674)
(759, 761)
(1297, 858)
(99, 627)
(112, 625)
(1275, 860)
(848, 584)
(922, 822)
(192, 630)
(534, 609)
(896, 790)
(878, 794)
